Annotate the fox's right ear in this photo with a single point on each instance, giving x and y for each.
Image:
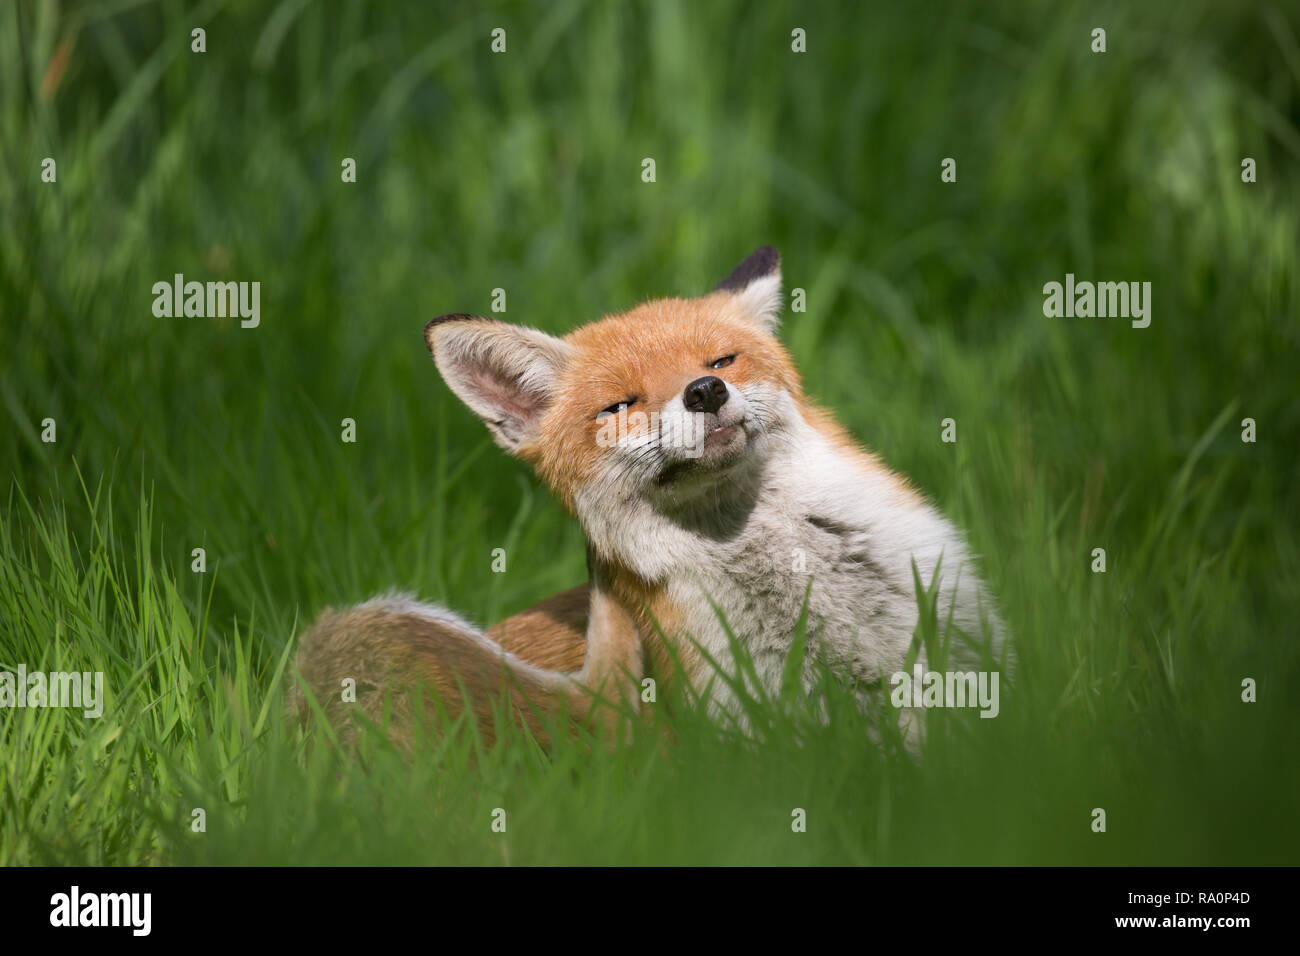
(756, 283)
(506, 374)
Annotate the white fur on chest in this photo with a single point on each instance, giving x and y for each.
(825, 533)
(824, 527)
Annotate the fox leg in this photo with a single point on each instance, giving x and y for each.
(615, 660)
(584, 632)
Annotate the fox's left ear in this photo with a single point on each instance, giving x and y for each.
(756, 283)
(507, 374)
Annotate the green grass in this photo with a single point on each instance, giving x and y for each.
(522, 171)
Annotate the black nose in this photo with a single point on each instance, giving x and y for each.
(706, 394)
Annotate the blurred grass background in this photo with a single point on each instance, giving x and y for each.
(522, 171)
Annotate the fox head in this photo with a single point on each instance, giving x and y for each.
(665, 405)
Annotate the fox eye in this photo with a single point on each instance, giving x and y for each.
(723, 362)
(617, 407)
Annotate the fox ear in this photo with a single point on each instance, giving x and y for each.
(756, 283)
(506, 374)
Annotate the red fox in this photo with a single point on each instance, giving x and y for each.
(710, 490)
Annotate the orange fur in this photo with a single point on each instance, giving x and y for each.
(604, 635)
(647, 349)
